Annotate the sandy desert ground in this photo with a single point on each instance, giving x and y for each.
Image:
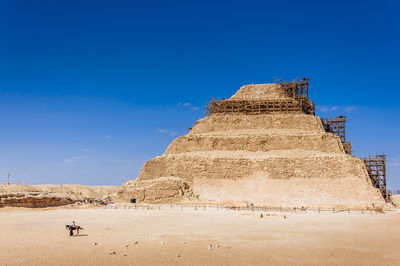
(182, 237)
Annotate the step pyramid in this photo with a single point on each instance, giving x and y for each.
(263, 147)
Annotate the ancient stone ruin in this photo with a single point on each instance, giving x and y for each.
(40, 196)
(264, 146)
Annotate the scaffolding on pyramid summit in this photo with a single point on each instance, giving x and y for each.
(297, 102)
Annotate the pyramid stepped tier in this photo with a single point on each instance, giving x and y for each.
(258, 189)
(293, 122)
(260, 92)
(268, 159)
(257, 133)
(280, 164)
(280, 178)
(251, 141)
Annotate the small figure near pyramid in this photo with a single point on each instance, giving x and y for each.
(263, 145)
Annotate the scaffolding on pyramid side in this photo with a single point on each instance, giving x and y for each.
(337, 126)
(376, 167)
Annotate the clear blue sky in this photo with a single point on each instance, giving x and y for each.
(90, 90)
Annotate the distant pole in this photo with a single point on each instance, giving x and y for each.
(8, 178)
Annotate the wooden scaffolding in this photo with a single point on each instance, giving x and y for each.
(297, 89)
(253, 107)
(337, 126)
(299, 102)
(376, 167)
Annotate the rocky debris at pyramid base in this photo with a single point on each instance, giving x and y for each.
(263, 146)
(160, 190)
